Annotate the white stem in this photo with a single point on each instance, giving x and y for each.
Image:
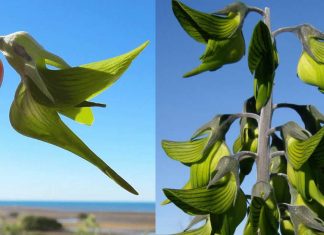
(278, 153)
(263, 160)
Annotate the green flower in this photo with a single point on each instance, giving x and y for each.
(43, 94)
(310, 67)
(221, 32)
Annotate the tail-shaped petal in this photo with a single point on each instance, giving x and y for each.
(40, 122)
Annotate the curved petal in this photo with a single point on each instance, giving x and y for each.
(316, 46)
(201, 172)
(299, 145)
(219, 53)
(303, 215)
(186, 151)
(40, 122)
(202, 26)
(264, 214)
(72, 86)
(304, 182)
(310, 72)
(205, 229)
(227, 222)
(202, 201)
(263, 61)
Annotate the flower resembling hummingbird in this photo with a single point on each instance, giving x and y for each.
(44, 93)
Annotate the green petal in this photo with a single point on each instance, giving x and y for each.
(286, 227)
(72, 86)
(185, 152)
(280, 188)
(186, 186)
(305, 216)
(248, 138)
(205, 229)
(219, 53)
(202, 26)
(226, 165)
(80, 115)
(310, 115)
(310, 72)
(264, 214)
(40, 122)
(201, 201)
(227, 222)
(217, 127)
(316, 46)
(299, 145)
(201, 172)
(263, 61)
(304, 182)
(261, 48)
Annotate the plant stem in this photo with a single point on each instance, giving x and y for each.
(263, 160)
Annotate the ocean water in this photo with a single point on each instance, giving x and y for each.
(85, 206)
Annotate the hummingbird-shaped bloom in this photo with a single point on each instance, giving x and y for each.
(44, 93)
(221, 32)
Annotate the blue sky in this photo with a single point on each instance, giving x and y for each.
(123, 133)
(183, 105)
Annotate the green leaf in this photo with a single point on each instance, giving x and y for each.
(202, 26)
(186, 151)
(299, 144)
(43, 123)
(219, 53)
(202, 201)
(263, 61)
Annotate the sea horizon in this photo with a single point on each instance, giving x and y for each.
(83, 205)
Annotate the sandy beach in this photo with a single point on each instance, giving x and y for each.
(112, 223)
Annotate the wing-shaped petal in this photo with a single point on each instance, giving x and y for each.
(40, 122)
(219, 53)
(310, 72)
(202, 26)
(72, 86)
(202, 201)
(263, 62)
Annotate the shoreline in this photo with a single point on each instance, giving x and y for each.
(118, 223)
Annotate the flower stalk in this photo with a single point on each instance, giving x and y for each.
(263, 161)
